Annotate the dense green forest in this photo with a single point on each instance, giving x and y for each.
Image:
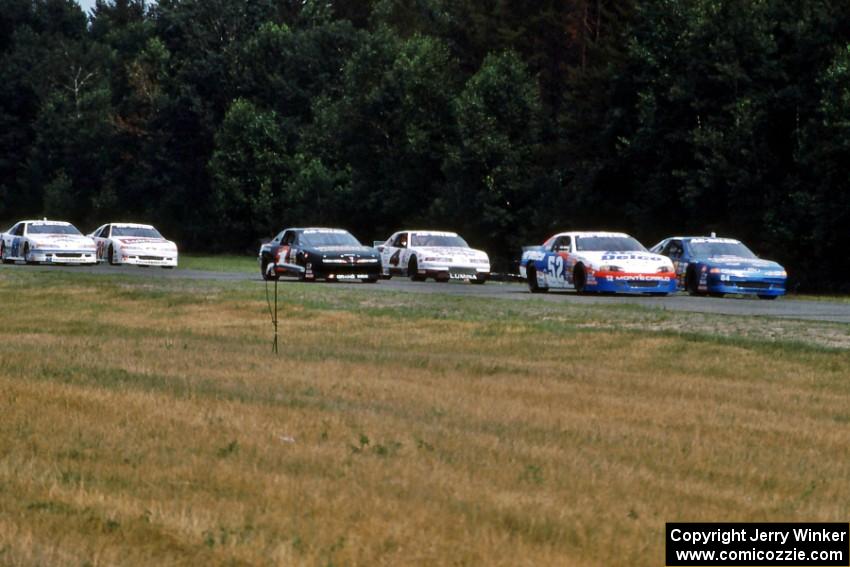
(223, 121)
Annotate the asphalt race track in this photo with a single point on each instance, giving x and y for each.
(782, 307)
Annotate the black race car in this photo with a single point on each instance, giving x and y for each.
(312, 253)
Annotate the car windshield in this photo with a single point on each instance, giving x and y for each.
(137, 231)
(707, 249)
(52, 229)
(608, 244)
(319, 239)
(441, 240)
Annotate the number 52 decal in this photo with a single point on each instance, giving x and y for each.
(556, 267)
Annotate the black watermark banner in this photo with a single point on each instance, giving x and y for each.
(745, 544)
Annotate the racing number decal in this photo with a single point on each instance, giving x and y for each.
(555, 267)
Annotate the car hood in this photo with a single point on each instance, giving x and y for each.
(451, 252)
(743, 264)
(332, 251)
(145, 243)
(635, 262)
(62, 241)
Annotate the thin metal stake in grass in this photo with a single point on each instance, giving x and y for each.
(273, 314)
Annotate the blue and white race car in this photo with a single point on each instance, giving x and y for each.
(46, 241)
(608, 262)
(716, 266)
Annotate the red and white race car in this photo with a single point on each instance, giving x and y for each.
(132, 243)
(421, 254)
(46, 241)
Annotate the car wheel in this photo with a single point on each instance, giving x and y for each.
(370, 280)
(531, 277)
(27, 254)
(580, 278)
(264, 271)
(692, 282)
(768, 297)
(479, 280)
(3, 253)
(110, 256)
(413, 271)
(441, 279)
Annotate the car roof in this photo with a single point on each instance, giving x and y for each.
(431, 232)
(45, 222)
(589, 233)
(705, 239)
(320, 229)
(130, 225)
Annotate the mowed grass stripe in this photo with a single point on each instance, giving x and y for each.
(146, 426)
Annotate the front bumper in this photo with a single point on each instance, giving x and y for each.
(631, 283)
(149, 259)
(341, 272)
(718, 283)
(454, 271)
(63, 256)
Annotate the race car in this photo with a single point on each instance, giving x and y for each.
(137, 244)
(608, 262)
(318, 253)
(716, 266)
(444, 256)
(48, 242)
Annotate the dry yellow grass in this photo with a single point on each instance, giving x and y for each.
(144, 426)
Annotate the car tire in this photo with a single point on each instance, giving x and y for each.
(3, 253)
(370, 280)
(580, 279)
(264, 266)
(768, 297)
(531, 277)
(413, 271)
(692, 282)
(27, 254)
(110, 256)
(479, 280)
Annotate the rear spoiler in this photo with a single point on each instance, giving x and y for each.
(536, 247)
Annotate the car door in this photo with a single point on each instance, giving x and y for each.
(557, 262)
(100, 241)
(7, 238)
(675, 250)
(284, 251)
(396, 253)
(386, 250)
(16, 246)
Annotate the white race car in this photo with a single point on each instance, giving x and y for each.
(607, 262)
(131, 243)
(44, 241)
(443, 256)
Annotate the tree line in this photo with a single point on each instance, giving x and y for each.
(223, 122)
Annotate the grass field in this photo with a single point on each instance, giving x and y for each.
(220, 263)
(148, 423)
